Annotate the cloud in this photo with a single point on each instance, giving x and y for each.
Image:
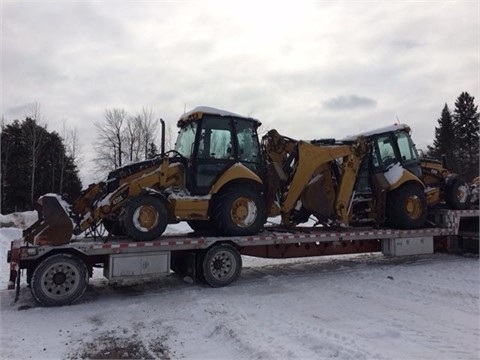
(305, 71)
(349, 102)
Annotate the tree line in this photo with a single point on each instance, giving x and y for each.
(34, 162)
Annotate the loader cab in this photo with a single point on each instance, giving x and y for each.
(214, 140)
(394, 146)
(388, 146)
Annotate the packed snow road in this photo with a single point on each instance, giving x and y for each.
(343, 307)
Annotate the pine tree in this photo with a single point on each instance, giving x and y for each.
(466, 134)
(152, 151)
(444, 143)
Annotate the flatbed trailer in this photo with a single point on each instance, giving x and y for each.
(58, 275)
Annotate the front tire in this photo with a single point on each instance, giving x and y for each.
(222, 265)
(239, 211)
(407, 207)
(59, 280)
(145, 218)
(457, 194)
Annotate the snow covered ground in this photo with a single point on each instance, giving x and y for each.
(343, 307)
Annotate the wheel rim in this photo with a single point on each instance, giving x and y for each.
(223, 265)
(462, 194)
(413, 207)
(60, 280)
(244, 212)
(145, 218)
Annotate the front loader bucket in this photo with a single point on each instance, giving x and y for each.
(54, 225)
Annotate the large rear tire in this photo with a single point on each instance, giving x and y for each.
(407, 207)
(222, 265)
(60, 279)
(145, 218)
(239, 211)
(457, 194)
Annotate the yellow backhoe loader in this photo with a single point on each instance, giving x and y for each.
(221, 178)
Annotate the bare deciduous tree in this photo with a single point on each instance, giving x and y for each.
(110, 139)
(34, 137)
(149, 128)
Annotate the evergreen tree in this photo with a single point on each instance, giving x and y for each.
(444, 142)
(152, 151)
(466, 134)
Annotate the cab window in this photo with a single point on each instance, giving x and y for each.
(406, 147)
(186, 139)
(383, 155)
(248, 146)
(215, 139)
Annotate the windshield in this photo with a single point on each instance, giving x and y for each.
(186, 139)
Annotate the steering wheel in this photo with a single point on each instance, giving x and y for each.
(388, 161)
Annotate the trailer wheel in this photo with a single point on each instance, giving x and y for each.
(60, 279)
(457, 194)
(407, 207)
(199, 259)
(239, 211)
(222, 265)
(145, 218)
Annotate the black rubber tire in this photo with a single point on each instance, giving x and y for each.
(239, 211)
(457, 194)
(199, 258)
(154, 222)
(201, 226)
(407, 207)
(222, 265)
(58, 280)
(114, 227)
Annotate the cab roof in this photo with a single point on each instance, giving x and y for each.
(382, 130)
(198, 112)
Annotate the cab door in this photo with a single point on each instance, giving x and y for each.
(214, 153)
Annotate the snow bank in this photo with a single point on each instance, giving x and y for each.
(20, 220)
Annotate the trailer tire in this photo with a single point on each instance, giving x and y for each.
(145, 218)
(239, 211)
(199, 258)
(222, 265)
(457, 194)
(407, 207)
(58, 280)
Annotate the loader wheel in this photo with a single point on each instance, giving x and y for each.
(457, 194)
(145, 218)
(239, 211)
(60, 279)
(222, 265)
(407, 207)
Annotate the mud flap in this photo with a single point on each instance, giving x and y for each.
(54, 225)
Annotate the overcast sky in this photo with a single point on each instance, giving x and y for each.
(308, 69)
